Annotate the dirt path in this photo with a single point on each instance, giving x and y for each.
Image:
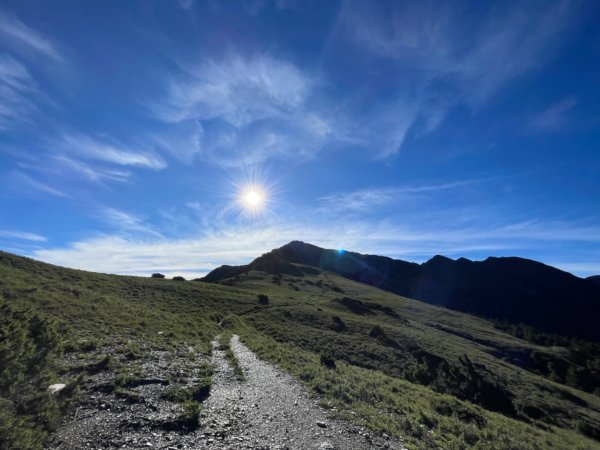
(268, 410)
(271, 410)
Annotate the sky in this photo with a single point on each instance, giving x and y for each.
(131, 133)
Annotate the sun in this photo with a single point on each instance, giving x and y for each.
(253, 199)
(253, 195)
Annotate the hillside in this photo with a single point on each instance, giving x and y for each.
(512, 289)
(432, 377)
(594, 279)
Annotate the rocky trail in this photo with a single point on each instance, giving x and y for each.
(267, 410)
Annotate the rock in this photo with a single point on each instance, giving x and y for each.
(326, 446)
(56, 388)
(321, 424)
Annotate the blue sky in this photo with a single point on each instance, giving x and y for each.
(129, 131)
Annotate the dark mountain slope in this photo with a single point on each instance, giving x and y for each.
(594, 279)
(514, 289)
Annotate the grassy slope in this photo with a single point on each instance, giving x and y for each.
(295, 327)
(300, 316)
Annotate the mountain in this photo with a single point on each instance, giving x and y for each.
(510, 289)
(594, 279)
(138, 355)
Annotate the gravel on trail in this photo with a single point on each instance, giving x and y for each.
(267, 410)
(271, 410)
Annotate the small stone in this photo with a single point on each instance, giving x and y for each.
(321, 424)
(55, 388)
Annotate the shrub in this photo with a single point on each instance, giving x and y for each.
(157, 275)
(337, 324)
(178, 279)
(327, 361)
(376, 332)
(263, 299)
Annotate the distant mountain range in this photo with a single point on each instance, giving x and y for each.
(514, 289)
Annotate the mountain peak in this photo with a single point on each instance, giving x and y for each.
(506, 288)
(439, 260)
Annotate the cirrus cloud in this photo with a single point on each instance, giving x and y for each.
(243, 111)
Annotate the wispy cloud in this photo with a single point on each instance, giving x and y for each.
(20, 180)
(368, 199)
(17, 89)
(546, 230)
(361, 200)
(107, 150)
(22, 50)
(244, 110)
(27, 38)
(413, 240)
(553, 118)
(238, 90)
(22, 235)
(127, 223)
(93, 173)
(75, 158)
(441, 66)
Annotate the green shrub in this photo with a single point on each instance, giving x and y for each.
(28, 346)
(327, 361)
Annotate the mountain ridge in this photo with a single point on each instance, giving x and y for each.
(513, 289)
(371, 354)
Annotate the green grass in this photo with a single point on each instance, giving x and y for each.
(420, 416)
(434, 377)
(444, 351)
(198, 392)
(225, 344)
(29, 346)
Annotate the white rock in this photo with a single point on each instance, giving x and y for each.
(55, 388)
